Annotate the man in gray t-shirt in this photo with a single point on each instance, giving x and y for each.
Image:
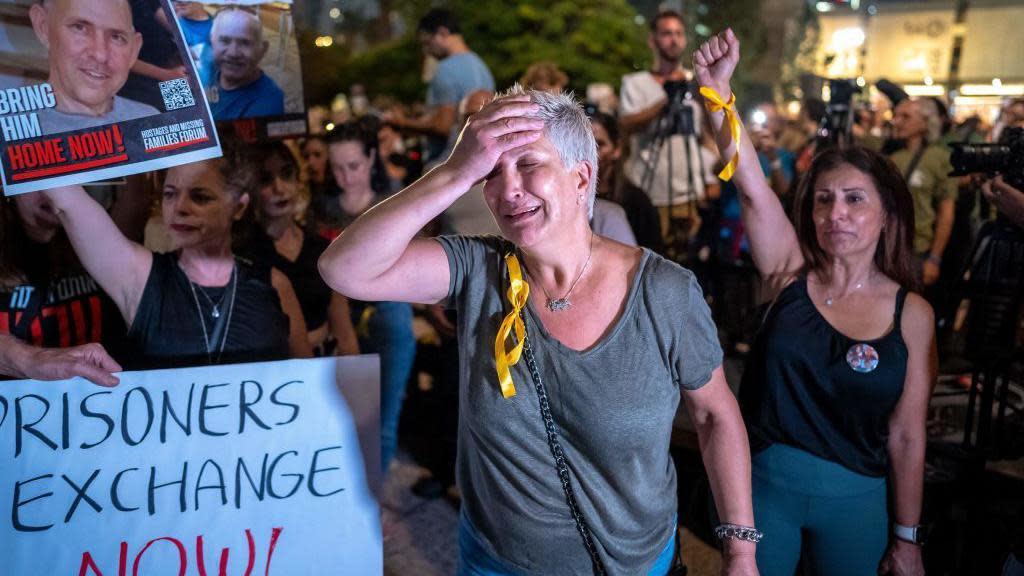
(459, 72)
(92, 46)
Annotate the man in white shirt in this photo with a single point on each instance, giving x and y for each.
(674, 173)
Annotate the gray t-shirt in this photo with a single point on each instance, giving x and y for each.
(613, 405)
(53, 121)
(457, 76)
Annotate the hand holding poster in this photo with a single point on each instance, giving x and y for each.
(114, 93)
(250, 468)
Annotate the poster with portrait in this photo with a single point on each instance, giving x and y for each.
(96, 89)
(247, 56)
(265, 468)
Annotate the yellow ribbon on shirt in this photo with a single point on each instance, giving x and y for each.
(518, 292)
(714, 103)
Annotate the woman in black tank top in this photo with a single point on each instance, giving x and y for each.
(199, 304)
(281, 243)
(836, 390)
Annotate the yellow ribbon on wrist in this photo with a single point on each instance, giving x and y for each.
(504, 359)
(713, 101)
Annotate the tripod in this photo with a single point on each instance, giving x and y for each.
(994, 423)
(677, 119)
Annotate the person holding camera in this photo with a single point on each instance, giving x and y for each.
(1009, 201)
(666, 160)
(835, 393)
(925, 165)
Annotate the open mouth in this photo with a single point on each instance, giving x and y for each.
(95, 75)
(522, 214)
(183, 228)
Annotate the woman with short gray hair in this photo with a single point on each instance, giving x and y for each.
(566, 402)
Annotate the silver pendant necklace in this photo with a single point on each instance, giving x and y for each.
(216, 314)
(214, 306)
(829, 300)
(563, 303)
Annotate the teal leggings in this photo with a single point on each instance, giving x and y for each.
(803, 503)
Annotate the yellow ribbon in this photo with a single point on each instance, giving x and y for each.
(518, 291)
(714, 103)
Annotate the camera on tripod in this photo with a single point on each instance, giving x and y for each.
(1005, 157)
(836, 127)
(679, 115)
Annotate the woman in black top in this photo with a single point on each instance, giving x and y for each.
(199, 304)
(281, 243)
(836, 390)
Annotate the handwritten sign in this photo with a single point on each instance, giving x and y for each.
(73, 112)
(252, 468)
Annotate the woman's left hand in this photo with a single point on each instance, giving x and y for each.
(902, 559)
(739, 565)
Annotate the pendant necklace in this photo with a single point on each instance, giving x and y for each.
(563, 303)
(214, 306)
(829, 300)
(215, 314)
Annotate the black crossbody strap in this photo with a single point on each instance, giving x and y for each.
(556, 451)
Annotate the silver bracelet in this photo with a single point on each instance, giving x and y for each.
(737, 532)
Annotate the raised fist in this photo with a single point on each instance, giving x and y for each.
(715, 61)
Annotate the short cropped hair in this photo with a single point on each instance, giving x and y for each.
(663, 15)
(438, 18)
(568, 129)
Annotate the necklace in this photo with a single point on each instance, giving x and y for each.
(563, 303)
(214, 306)
(829, 300)
(202, 321)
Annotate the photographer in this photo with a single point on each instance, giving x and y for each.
(670, 173)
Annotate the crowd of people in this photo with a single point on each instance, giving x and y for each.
(541, 241)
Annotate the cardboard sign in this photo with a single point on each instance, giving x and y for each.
(247, 56)
(249, 468)
(96, 89)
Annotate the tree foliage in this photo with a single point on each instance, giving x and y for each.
(591, 40)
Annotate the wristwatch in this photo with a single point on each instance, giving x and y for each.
(915, 535)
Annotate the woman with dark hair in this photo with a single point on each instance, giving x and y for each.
(282, 244)
(317, 175)
(384, 328)
(836, 389)
(353, 154)
(199, 304)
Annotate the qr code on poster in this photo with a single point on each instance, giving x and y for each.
(176, 94)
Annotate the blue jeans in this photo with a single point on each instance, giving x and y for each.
(475, 560)
(835, 516)
(385, 328)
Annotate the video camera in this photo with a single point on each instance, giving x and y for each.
(679, 115)
(836, 127)
(1005, 157)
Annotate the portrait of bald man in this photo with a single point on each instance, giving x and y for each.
(238, 86)
(92, 46)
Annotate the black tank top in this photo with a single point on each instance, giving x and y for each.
(167, 333)
(809, 386)
(313, 293)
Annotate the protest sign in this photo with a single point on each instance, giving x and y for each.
(96, 89)
(248, 60)
(240, 469)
